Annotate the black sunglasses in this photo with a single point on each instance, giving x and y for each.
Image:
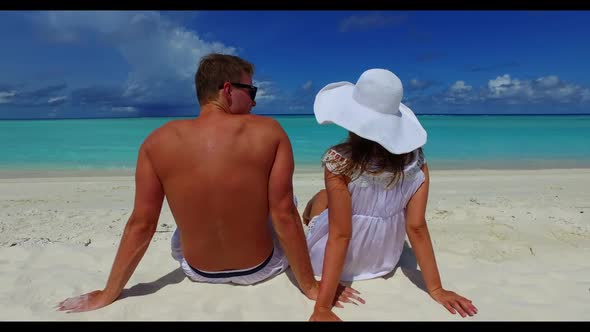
(252, 88)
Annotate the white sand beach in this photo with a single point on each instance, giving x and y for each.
(516, 242)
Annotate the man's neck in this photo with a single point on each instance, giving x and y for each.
(214, 107)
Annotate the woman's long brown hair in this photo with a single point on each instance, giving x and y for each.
(366, 156)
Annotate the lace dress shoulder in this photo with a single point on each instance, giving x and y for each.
(334, 160)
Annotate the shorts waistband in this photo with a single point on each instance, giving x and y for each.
(229, 274)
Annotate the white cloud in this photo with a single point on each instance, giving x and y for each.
(307, 85)
(264, 91)
(497, 85)
(460, 87)
(416, 84)
(126, 109)
(543, 89)
(548, 82)
(5, 96)
(163, 55)
(507, 87)
(508, 90)
(56, 99)
(459, 93)
(168, 51)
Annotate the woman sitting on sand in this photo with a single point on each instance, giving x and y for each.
(376, 192)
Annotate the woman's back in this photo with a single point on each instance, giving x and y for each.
(378, 218)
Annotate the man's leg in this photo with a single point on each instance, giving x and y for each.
(316, 205)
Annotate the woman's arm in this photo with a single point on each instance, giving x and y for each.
(419, 236)
(340, 232)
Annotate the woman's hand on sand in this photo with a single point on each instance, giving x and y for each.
(343, 294)
(89, 301)
(347, 295)
(324, 315)
(454, 302)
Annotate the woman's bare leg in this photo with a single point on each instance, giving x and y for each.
(316, 205)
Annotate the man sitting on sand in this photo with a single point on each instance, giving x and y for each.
(223, 174)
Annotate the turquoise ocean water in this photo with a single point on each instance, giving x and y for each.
(454, 142)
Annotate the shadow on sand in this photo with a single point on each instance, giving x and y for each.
(409, 266)
(146, 288)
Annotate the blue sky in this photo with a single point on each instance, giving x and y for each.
(142, 63)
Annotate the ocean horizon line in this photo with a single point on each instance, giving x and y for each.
(287, 115)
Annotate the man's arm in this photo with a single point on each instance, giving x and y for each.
(285, 216)
(140, 228)
(419, 237)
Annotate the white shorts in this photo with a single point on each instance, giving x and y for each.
(273, 265)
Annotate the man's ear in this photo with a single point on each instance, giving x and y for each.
(227, 87)
(225, 93)
(227, 90)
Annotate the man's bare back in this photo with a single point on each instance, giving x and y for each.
(215, 173)
(223, 174)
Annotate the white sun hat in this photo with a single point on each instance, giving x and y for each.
(373, 110)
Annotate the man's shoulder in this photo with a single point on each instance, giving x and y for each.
(165, 131)
(173, 126)
(265, 122)
(262, 118)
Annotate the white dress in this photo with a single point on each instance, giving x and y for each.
(378, 221)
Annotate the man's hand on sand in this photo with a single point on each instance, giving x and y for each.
(343, 294)
(89, 301)
(454, 302)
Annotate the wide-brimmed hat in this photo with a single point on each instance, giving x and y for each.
(372, 109)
